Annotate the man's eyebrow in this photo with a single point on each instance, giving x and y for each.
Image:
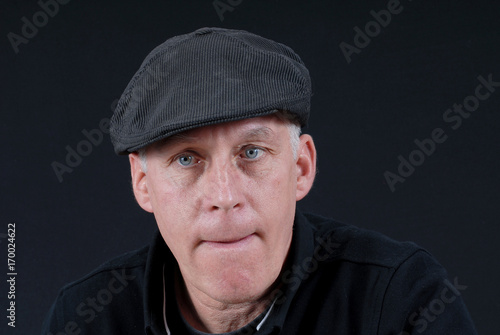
(252, 134)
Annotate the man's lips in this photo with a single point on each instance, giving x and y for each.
(231, 242)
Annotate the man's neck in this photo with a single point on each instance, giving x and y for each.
(211, 316)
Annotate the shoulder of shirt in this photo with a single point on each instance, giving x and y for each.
(129, 260)
(358, 245)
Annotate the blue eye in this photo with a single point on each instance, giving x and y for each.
(185, 160)
(253, 153)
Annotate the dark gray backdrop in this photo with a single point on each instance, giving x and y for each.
(368, 109)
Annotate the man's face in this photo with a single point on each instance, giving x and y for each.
(224, 199)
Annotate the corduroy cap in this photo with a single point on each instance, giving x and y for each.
(209, 76)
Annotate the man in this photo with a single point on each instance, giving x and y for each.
(211, 124)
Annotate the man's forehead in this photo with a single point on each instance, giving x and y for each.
(258, 128)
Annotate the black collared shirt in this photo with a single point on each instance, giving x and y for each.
(339, 279)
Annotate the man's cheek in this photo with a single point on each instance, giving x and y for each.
(260, 169)
(181, 178)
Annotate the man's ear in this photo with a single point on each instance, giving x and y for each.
(139, 183)
(306, 166)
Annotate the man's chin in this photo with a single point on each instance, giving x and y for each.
(237, 290)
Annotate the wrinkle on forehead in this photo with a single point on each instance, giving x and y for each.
(259, 132)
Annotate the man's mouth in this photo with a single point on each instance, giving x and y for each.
(230, 243)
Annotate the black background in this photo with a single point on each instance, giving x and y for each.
(364, 115)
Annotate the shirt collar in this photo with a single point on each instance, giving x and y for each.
(301, 250)
(159, 256)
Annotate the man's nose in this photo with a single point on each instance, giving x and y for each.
(223, 186)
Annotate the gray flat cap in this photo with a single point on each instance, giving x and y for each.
(209, 76)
